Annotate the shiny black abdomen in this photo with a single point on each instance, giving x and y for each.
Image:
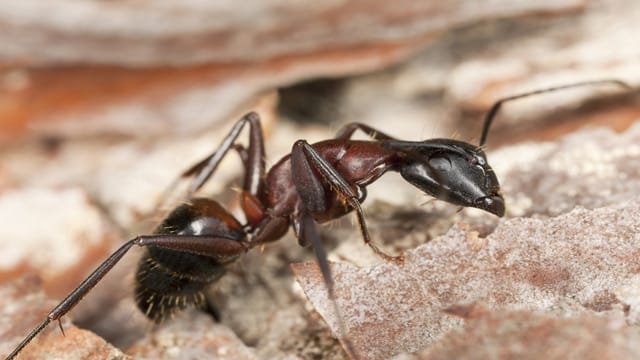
(168, 281)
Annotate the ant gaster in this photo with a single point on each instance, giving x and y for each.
(316, 183)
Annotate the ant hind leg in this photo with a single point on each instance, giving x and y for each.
(215, 247)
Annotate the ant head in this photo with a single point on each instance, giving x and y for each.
(451, 170)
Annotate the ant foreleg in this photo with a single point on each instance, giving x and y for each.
(303, 158)
(216, 247)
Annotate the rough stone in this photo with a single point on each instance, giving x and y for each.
(193, 335)
(23, 305)
(60, 245)
(564, 265)
(534, 335)
(566, 260)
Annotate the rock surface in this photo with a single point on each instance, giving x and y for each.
(191, 336)
(24, 305)
(531, 335)
(560, 265)
(564, 266)
(59, 245)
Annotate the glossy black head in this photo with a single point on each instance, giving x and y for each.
(451, 170)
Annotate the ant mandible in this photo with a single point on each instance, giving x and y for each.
(316, 183)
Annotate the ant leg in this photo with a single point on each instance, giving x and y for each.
(303, 158)
(253, 159)
(347, 131)
(309, 234)
(491, 114)
(216, 247)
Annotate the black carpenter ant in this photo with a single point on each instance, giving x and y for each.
(316, 183)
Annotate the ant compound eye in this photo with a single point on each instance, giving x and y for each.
(439, 163)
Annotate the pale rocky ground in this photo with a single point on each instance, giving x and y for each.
(94, 129)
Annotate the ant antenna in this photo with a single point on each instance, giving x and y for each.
(494, 109)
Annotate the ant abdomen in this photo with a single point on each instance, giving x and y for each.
(168, 281)
(164, 288)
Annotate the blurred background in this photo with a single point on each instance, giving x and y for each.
(104, 103)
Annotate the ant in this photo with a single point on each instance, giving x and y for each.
(315, 183)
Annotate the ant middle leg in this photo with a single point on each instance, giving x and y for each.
(309, 232)
(304, 158)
